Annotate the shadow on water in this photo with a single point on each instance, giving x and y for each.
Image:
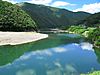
(9, 53)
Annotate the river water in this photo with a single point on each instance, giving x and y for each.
(59, 54)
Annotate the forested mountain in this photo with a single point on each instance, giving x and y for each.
(51, 17)
(13, 18)
(92, 21)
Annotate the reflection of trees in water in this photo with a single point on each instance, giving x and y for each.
(97, 52)
(9, 53)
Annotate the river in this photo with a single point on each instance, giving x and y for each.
(59, 54)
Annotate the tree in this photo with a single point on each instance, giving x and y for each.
(13, 18)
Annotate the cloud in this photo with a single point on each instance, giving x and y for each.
(61, 3)
(58, 64)
(45, 2)
(59, 49)
(91, 8)
(26, 72)
(11, 1)
(40, 54)
(86, 46)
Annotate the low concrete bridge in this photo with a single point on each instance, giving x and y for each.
(52, 31)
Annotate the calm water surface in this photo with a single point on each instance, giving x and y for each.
(60, 54)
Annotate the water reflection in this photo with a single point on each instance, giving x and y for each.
(69, 59)
(26, 72)
(10, 53)
(97, 52)
(13, 52)
(86, 46)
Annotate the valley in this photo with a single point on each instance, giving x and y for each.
(38, 39)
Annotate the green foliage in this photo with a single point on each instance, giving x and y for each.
(13, 18)
(91, 33)
(50, 17)
(97, 52)
(97, 43)
(77, 29)
(94, 73)
(94, 34)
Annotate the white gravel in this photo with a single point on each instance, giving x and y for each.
(14, 38)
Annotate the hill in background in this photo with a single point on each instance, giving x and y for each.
(92, 21)
(51, 17)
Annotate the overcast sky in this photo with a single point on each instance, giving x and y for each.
(91, 6)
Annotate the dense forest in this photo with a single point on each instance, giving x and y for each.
(92, 21)
(13, 18)
(51, 17)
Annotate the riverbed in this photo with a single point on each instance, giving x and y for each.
(59, 54)
(15, 38)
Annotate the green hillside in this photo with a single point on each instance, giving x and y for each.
(92, 21)
(50, 17)
(13, 18)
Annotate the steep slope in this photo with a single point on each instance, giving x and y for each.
(50, 17)
(13, 18)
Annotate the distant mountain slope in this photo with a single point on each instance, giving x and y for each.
(93, 20)
(50, 17)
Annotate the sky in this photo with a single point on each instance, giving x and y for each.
(90, 6)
